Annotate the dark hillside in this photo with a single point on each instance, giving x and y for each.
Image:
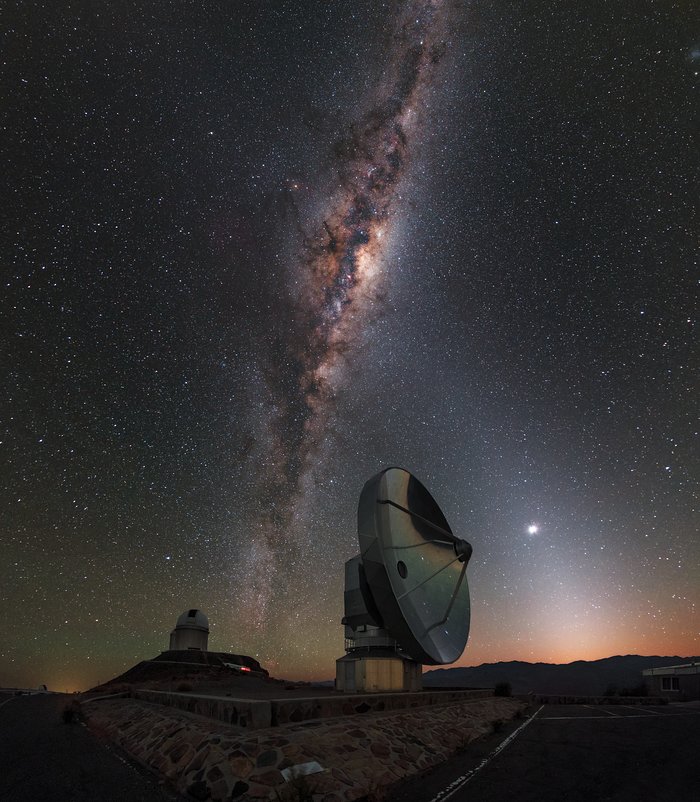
(580, 677)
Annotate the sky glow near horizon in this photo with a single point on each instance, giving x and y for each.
(260, 251)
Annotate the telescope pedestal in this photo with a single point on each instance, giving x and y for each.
(377, 671)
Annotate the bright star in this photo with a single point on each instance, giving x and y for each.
(533, 529)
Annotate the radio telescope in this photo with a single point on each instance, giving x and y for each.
(406, 593)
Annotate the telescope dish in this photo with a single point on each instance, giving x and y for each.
(414, 567)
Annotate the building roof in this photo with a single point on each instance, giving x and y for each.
(685, 668)
(193, 619)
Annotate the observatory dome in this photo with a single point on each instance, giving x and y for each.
(193, 618)
(191, 632)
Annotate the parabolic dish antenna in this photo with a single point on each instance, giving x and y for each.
(413, 569)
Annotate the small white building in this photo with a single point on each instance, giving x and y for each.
(675, 683)
(191, 632)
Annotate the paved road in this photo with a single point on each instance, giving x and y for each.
(576, 753)
(41, 758)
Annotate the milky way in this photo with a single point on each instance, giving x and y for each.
(341, 270)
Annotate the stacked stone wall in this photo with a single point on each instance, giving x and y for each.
(358, 754)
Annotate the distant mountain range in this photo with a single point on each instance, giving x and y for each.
(578, 678)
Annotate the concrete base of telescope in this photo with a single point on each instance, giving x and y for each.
(377, 671)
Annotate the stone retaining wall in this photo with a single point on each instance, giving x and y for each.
(245, 713)
(359, 755)
(287, 711)
(560, 699)
(254, 714)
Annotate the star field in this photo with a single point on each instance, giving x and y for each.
(256, 251)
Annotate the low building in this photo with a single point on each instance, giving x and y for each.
(675, 683)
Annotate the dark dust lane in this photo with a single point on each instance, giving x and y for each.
(575, 753)
(41, 758)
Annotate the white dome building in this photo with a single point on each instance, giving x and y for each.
(191, 632)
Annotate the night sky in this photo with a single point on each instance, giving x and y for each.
(256, 251)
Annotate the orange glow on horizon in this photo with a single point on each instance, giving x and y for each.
(76, 681)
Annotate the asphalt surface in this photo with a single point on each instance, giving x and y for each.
(572, 753)
(42, 758)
